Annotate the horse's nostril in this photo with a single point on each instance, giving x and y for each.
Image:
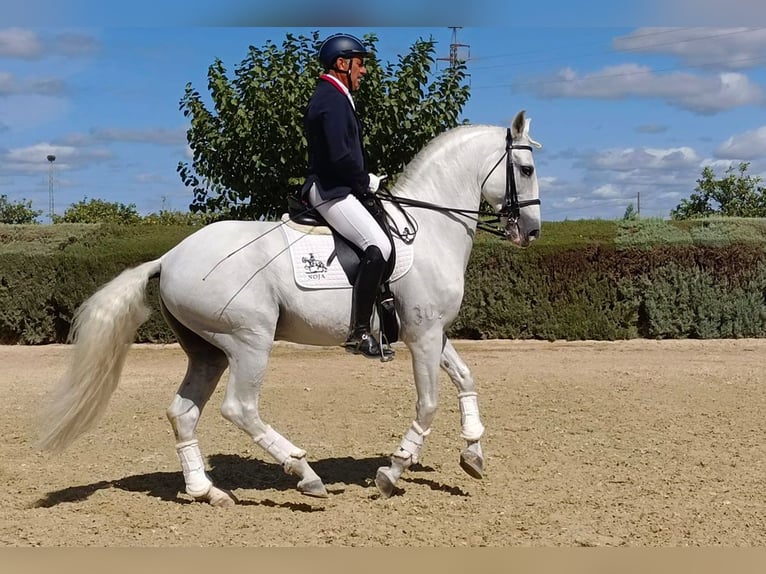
(534, 234)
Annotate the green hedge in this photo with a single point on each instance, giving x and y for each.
(582, 280)
(604, 293)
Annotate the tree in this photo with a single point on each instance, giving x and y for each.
(734, 195)
(250, 150)
(99, 211)
(17, 212)
(172, 217)
(631, 213)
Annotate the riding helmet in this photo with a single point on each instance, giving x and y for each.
(340, 46)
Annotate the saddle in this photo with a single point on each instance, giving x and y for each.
(349, 256)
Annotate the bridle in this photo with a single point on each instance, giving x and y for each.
(507, 215)
(511, 205)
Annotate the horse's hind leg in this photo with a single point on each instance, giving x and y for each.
(205, 366)
(471, 459)
(247, 367)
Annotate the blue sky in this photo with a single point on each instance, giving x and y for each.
(625, 112)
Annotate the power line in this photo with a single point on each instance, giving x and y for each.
(565, 53)
(567, 49)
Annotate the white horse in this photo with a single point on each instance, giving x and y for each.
(229, 290)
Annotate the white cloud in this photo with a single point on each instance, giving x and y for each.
(726, 48)
(698, 93)
(150, 178)
(33, 159)
(632, 159)
(19, 43)
(157, 136)
(747, 146)
(545, 183)
(26, 44)
(719, 165)
(710, 12)
(11, 85)
(21, 112)
(608, 191)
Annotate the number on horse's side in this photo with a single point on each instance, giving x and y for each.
(230, 289)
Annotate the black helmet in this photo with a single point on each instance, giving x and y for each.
(340, 46)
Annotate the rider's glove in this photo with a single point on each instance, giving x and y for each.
(375, 182)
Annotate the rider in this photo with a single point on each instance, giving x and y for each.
(337, 176)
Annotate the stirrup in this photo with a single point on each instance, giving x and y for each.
(364, 343)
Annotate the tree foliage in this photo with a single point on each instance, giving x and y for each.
(17, 212)
(249, 149)
(175, 217)
(631, 213)
(99, 211)
(735, 195)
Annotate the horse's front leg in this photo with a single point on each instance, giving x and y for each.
(471, 459)
(425, 365)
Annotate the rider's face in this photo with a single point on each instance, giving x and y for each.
(356, 66)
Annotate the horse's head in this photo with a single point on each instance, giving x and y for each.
(513, 191)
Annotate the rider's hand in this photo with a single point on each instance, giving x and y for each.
(375, 181)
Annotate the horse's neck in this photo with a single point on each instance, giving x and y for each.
(447, 173)
(449, 176)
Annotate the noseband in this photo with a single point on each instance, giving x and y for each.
(511, 205)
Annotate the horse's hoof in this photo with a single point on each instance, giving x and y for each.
(385, 481)
(220, 498)
(472, 464)
(313, 488)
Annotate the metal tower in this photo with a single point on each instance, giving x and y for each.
(51, 158)
(454, 47)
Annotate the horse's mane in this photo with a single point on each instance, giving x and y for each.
(433, 148)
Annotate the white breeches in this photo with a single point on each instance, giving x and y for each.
(349, 218)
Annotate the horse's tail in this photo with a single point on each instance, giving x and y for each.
(103, 329)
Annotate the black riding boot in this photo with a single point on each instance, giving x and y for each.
(360, 340)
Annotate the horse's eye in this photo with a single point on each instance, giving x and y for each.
(527, 170)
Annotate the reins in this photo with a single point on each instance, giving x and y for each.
(511, 209)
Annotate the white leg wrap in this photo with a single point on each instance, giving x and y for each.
(278, 446)
(411, 444)
(472, 429)
(198, 483)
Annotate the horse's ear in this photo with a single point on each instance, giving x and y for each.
(520, 129)
(518, 125)
(538, 145)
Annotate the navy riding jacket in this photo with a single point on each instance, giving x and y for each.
(337, 161)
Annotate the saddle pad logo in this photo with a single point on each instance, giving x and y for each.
(315, 266)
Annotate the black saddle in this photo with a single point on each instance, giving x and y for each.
(349, 256)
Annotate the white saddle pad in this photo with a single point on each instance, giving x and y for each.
(310, 251)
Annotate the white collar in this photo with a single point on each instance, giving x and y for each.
(340, 85)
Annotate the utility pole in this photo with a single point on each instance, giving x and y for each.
(454, 56)
(51, 158)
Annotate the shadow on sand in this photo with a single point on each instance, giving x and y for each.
(234, 472)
